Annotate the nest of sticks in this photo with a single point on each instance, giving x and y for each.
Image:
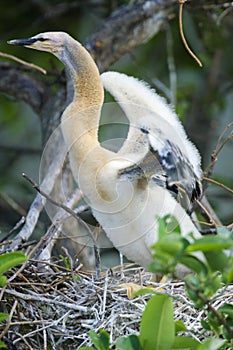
(51, 306)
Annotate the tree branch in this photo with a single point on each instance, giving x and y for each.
(21, 86)
(127, 27)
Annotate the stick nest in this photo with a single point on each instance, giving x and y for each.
(52, 307)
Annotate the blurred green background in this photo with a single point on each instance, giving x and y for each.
(203, 96)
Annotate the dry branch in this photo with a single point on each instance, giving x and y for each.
(74, 214)
(21, 86)
(183, 36)
(128, 27)
(23, 63)
(39, 202)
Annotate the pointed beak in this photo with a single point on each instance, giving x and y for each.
(23, 42)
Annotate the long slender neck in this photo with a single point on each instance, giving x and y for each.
(83, 72)
(81, 117)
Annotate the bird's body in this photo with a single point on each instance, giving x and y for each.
(124, 201)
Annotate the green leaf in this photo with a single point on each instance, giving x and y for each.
(180, 326)
(193, 281)
(226, 309)
(3, 281)
(157, 320)
(161, 227)
(228, 275)
(167, 224)
(128, 343)
(86, 348)
(144, 291)
(3, 316)
(214, 322)
(217, 260)
(185, 343)
(212, 344)
(156, 266)
(9, 260)
(205, 325)
(209, 243)
(192, 284)
(227, 334)
(78, 278)
(101, 341)
(171, 244)
(214, 284)
(172, 224)
(194, 264)
(2, 345)
(66, 261)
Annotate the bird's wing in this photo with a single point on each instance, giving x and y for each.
(177, 167)
(166, 165)
(148, 168)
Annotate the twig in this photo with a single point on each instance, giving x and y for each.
(5, 242)
(218, 184)
(17, 225)
(210, 308)
(72, 213)
(103, 306)
(218, 147)
(22, 267)
(51, 233)
(204, 201)
(48, 301)
(13, 204)
(53, 267)
(60, 205)
(222, 134)
(203, 223)
(60, 216)
(19, 323)
(22, 337)
(206, 212)
(42, 328)
(224, 14)
(181, 2)
(97, 262)
(227, 139)
(39, 201)
(24, 63)
(9, 319)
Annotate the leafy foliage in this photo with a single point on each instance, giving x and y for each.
(7, 262)
(158, 330)
(213, 268)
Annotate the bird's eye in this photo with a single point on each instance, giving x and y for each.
(42, 39)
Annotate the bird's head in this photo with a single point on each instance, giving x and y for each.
(52, 42)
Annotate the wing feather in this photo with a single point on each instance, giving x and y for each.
(179, 170)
